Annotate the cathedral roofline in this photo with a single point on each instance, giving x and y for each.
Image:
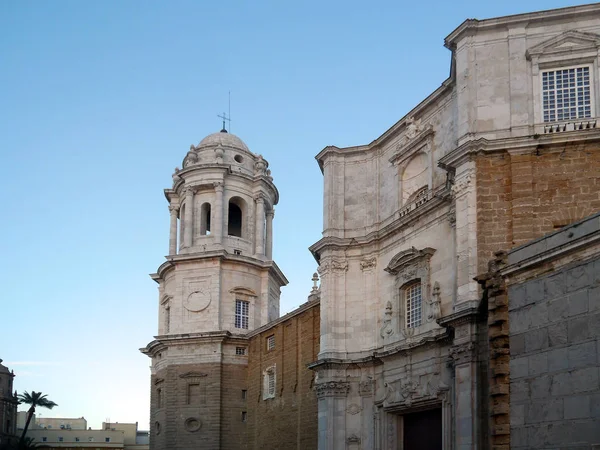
(300, 309)
(470, 26)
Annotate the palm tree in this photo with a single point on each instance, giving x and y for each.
(34, 399)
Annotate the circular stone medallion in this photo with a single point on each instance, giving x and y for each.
(192, 424)
(197, 300)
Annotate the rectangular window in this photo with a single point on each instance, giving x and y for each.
(244, 394)
(413, 305)
(60, 439)
(566, 94)
(244, 416)
(90, 439)
(271, 383)
(159, 398)
(107, 439)
(241, 314)
(44, 439)
(271, 342)
(76, 439)
(240, 350)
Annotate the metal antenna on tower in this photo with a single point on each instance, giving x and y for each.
(229, 113)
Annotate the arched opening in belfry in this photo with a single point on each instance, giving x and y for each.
(181, 225)
(205, 219)
(234, 226)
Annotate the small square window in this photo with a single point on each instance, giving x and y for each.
(566, 94)
(244, 416)
(107, 439)
(76, 439)
(240, 351)
(271, 342)
(60, 439)
(44, 439)
(90, 439)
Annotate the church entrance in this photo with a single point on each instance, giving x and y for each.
(422, 430)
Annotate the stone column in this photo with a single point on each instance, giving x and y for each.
(217, 226)
(269, 245)
(466, 406)
(465, 194)
(260, 225)
(173, 210)
(189, 217)
(331, 406)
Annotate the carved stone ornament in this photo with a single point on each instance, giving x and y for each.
(461, 185)
(158, 381)
(260, 166)
(410, 391)
(332, 389)
(435, 310)
(197, 300)
(219, 153)
(353, 439)
(191, 158)
(368, 264)
(464, 353)
(366, 388)
(353, 409)
(387, 329)
(334, 265)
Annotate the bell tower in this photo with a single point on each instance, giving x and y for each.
(218, 282)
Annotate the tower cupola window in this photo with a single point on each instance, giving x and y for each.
(235, 220)
(205, 219)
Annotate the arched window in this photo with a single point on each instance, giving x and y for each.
(235, 225)
(205, 219)
(413, 302)
(181, 225)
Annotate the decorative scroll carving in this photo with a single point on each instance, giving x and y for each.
(368, 264)
(192, 424)
(353, 409)
(332, 389)
(435, 310)
(410, 391)
(409, 259)
(353, 439)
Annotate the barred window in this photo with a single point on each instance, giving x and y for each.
(240, 351)
(271, 342)
(566, 94)
(241, 314)
(412, 295)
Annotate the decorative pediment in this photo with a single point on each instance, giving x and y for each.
(243, 291)
(565, 43)
(409, 257)
(193, 375)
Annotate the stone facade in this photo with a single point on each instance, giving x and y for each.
(8, 406)
(490, 160)
(546, 295)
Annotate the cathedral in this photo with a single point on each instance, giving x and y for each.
(457, 300)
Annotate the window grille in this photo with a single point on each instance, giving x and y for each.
(241, 314)
(240, 351)
(413, 305)
(566, 94)
(271, 383)
(271, 342)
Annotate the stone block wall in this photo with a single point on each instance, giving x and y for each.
(555, 358)
(521, 197)
(289, 420)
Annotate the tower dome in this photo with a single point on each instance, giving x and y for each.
(224, 139)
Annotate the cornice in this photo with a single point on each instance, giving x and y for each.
(467, 315)
(162, 342)
(466, 151)
(335, 363)
(223, 255)
(471, 26)
(408, 346)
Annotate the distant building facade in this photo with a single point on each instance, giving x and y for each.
(8, 405)
(419, 338)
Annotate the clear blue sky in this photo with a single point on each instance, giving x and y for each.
(100, 100)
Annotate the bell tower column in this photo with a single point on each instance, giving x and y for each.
(260, 225)
(173, 210)
(269, 245)
(218, 225)
(189, 217)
